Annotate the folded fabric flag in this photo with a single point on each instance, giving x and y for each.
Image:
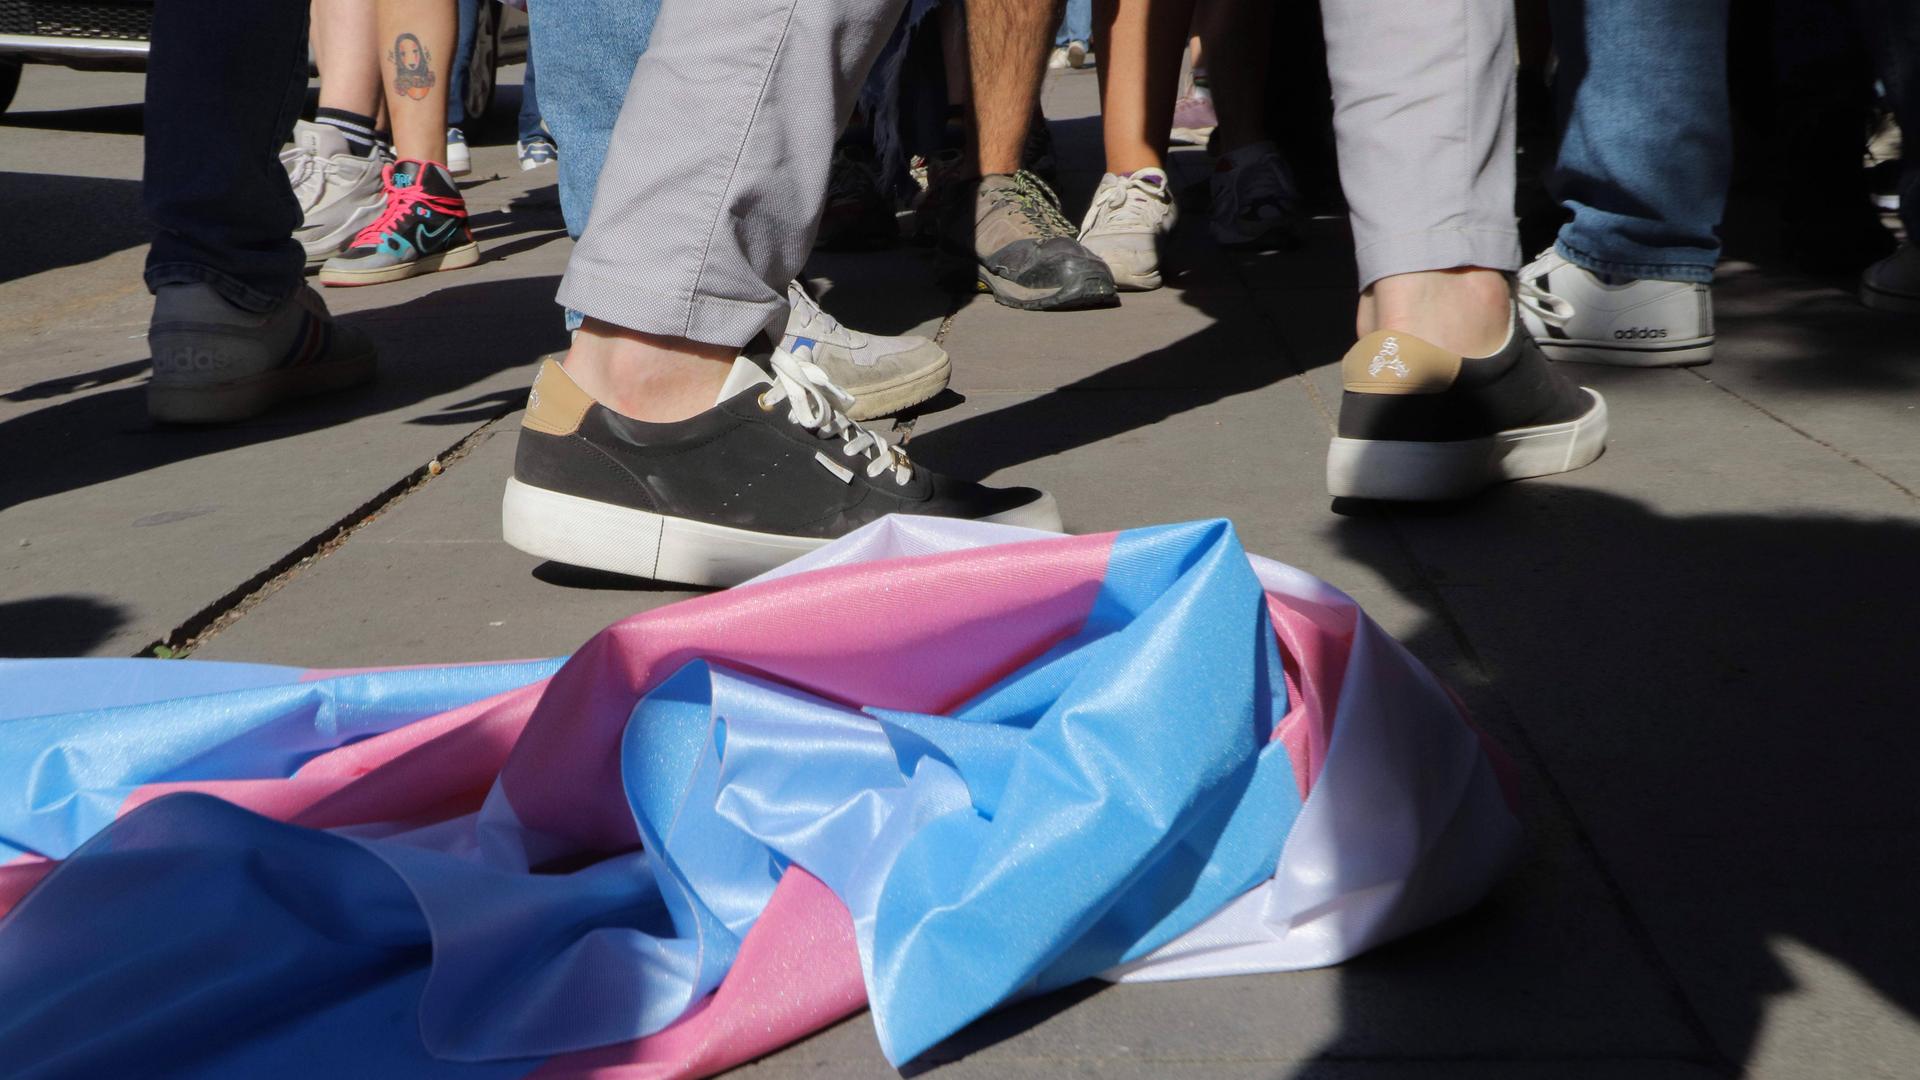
(933, 767)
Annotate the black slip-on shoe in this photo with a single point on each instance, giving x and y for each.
(772, 471)
(1418, 423)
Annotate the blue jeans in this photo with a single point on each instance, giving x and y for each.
(588, 49)
(530, 120)
(1647, 152)
(1077, 23)
(225, 82)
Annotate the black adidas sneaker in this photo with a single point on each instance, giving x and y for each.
(772, 471)
(1419, 423)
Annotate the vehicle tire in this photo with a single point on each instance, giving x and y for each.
(9, 82)
(481, 69)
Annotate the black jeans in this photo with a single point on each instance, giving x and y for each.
(225, 82)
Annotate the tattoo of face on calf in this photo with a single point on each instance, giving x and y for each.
(412, 73)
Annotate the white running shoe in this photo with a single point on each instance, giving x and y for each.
(339, 193)
(459, 159)
(1127, 225)
(1576, 315)
(1893, 283)
(884, 374)
(1255, 202)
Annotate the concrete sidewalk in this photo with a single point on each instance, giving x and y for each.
(1700, 651)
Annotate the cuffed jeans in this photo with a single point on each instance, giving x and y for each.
(1424, 126)
(225, 82)
(710, 192)
(1648, 146)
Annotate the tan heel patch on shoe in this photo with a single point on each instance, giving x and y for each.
(1392, 362)
(556, 403)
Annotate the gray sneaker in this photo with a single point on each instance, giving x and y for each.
(339, 194)
(1024, 249)
(214, 362)
(1893, 283)
(884, 374)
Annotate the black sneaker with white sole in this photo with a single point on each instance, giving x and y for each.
(772, 471)
(1419, 423)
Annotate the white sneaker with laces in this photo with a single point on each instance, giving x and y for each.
(1255, 202)
(459, 158)
(1127, 225)
(1577, 315)
(883, 374)
(1893, 283)
(339, 193)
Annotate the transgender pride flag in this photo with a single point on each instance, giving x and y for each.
(931, 768)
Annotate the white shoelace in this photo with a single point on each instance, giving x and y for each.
(814, 403)
(1115, 205)
(1550, 309)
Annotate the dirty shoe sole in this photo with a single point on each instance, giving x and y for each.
(454, 259)
(903, 393)
(1436, 471)
(1087, 292)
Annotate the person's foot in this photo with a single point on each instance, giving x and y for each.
(422, 229)
(537, 150)
(1194, 118)
(774, 470)
(214, 362)
(1577, 315)
(883, 374)
(339, 193)
(1420, 423)
(1893, 283)
(1024, 250)
(459, 158)
(858, 215)
(1127, 224)
(1255, 203)
(1057, 59)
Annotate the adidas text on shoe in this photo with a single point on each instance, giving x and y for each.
(1578, 316)
(1419, 423)
(216, 363)
(883, 374)
(423, 229)
(773, 470)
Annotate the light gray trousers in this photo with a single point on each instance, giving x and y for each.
(711, 192)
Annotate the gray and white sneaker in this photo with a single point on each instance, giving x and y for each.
(1127, 225)
(1576, 315)
(884, 374)
(339, 193)
(1893, 283)
(215, 362)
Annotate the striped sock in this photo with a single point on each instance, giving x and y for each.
(358, 129)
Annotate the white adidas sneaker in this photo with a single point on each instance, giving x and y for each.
(884, 374)
(1576, 315)
(1127, 225)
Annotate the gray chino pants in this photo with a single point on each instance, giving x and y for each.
(711, 192)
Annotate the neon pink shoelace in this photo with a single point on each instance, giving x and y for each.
(400, 204)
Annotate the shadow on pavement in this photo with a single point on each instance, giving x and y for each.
(1727, 703)
(429, 346)
(65, 625)
(126, 119)
(42, 230)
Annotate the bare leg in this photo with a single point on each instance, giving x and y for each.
(1467, 310)
(416, 41)
(1238, 35)
(647, 376)
(1007, 44)
(345, 49)
(1139, 43)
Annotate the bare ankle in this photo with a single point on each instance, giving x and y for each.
(647, 376)
(1468, 310)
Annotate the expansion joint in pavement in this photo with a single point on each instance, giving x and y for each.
(202, 625)
(1803, 432)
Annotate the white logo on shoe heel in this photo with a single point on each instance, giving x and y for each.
(1388, 359)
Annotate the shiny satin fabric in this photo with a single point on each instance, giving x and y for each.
(998, 766)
